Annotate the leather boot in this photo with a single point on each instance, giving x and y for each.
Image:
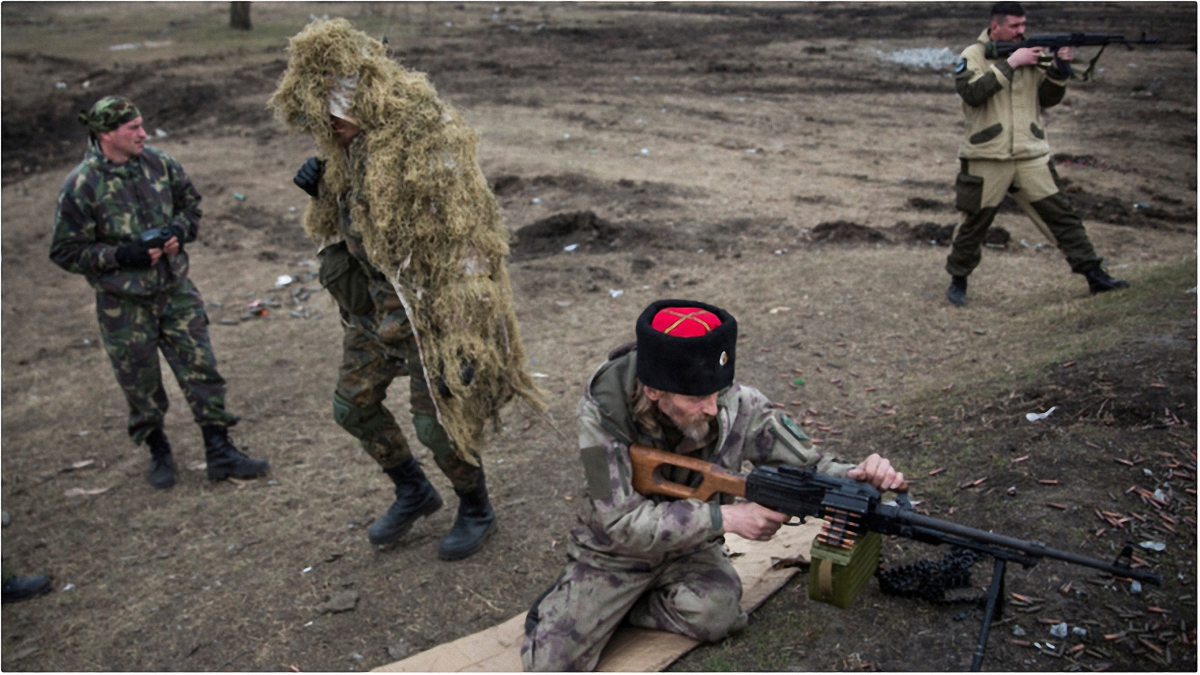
(476, 520)
(415, 498)
(17, 589)
(957, 293)
(1099, 281)
(224, 460)
(162, 465)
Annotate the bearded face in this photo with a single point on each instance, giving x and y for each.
(691, 414)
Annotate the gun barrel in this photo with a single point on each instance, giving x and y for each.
(1030, 548)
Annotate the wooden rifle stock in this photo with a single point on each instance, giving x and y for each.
(648, 478)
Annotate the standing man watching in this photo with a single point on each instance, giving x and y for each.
(123, 217)
(1004, 151)
(659, 561)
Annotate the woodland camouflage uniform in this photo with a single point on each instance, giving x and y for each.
(103, 205)
(656, 560)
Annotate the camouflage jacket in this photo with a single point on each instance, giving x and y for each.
(619, 527)
(103, 205)
(1003, 106)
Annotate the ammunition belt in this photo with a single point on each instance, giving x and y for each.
(929, 580)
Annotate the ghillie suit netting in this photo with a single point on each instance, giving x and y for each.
(427, 218)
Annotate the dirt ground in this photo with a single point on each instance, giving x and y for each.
(771, 159)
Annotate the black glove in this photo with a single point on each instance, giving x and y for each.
(309, 176)
(179, 232)
(134, 254)
(1061, 68)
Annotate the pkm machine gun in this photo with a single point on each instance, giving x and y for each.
(854, 512)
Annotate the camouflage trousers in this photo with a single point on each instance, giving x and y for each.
(1032, 183)
(135, 328)
(696, 595)
(375, 350)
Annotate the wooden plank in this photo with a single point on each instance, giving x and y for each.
(498, 649)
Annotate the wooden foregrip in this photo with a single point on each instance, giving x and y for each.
(648, 476)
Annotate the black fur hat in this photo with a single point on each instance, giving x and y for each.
(686, 347)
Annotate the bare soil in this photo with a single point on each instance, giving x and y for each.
(766, 158)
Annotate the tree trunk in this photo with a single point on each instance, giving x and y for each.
(239, 15)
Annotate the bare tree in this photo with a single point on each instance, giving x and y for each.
(239, 16)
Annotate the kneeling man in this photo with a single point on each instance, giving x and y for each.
(655, 561)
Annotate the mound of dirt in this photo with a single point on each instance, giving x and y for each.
(922, 204)
(942, 235)
(1110, 209)
(167, 102)
(844, 231)
(582, 229)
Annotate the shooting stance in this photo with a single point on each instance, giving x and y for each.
(412, 248)
(655, 560)
(123, 217)
(1004, 151)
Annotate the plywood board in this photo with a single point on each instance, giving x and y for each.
(497, 649)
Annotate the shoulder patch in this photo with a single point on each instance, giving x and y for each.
(595, 469)
(960, 66)
(791, 427)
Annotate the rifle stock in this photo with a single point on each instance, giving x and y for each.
(648, 479)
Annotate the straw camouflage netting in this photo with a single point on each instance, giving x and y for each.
(427, 217)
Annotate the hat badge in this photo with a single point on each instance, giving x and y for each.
(724, 358)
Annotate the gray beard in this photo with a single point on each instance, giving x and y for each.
(696, 432)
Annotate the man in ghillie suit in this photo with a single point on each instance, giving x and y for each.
(653, 561)
(412, 248)
(123, 217)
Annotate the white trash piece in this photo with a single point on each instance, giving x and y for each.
(1034, 417)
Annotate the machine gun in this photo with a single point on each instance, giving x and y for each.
(1052, 42)
(854, 512)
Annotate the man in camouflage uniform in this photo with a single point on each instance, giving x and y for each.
(1004, 151)
(378, 346)
(123, 217)
(659, 562)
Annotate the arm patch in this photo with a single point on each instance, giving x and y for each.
(960, 66)
(791, 427)
(595, 469)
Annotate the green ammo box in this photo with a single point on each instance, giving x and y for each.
(837, 575)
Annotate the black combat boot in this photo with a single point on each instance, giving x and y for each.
(17, 589)
(415, 498)
(475, 521)
(224, 460)
(162, 465)
(1099, 281)
(957, 293)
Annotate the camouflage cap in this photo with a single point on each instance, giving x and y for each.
(109, 113)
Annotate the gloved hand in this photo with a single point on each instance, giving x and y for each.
(179, 232)
(134, 255)
(309, 176)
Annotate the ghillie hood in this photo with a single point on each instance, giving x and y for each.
(426, 215)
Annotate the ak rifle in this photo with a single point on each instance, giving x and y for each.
(852, 509)
(1052, 42)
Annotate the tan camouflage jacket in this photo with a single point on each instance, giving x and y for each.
(619, 527)
(1003, 106)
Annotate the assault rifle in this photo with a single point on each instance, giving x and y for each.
(852, 510)
(1052, 42)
